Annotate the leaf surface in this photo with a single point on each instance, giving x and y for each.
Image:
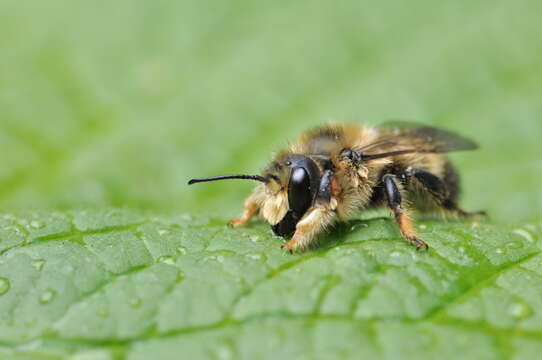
(117, 284)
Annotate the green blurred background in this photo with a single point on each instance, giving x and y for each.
(119, 103)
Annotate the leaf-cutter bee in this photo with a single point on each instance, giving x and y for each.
(331, 173)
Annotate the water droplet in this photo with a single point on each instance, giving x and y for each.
(181, 250)
(423, 226)
(4, 285)
(514, 245)
(186, 217)
(499, 250)
(48, 296)
(224, 353)
(166, 259)
(135, 302)
(36, 224)
(254, 238)
(38, 264)
(524, 234)
(257, 257)
(461, 249)
(395, 254)
(355, 226)
(163, 232)
(519, 311)
(14, 229)
(217, 258)
(9, 217)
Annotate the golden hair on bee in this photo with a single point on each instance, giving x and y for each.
(332, 173)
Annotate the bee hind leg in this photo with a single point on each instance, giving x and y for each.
(318, 217)
(440, 192)
(452, 207)
(394, 198)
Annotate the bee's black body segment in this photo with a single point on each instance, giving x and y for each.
(430, 182)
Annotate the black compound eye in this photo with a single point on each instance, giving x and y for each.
(299, 191)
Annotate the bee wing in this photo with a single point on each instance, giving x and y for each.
(401, 137)
(427, 138)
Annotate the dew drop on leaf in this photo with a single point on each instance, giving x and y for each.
(217, 258)
(181, 250)
(166, 259)
(354, 227)
(524, 234)
(514, 245)
(519, 311)
(36, 224)
(4, 285)
(38, 264)
(257, 257)
(163, 232)
(135, 302)
(48, 296)
(499, 250)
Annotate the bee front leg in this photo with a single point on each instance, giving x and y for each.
(406, 227)
(251, 207)
(316, 220)
(318, 217)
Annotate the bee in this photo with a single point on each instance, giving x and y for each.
(332, 173)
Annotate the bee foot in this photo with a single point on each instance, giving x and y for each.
(235, 223)
(289, 246)
(419, 243)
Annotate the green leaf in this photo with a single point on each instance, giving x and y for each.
(117, 284)
(116, 104)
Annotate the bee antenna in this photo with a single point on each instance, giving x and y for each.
(225, 177)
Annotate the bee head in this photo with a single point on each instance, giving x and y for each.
(291, 184)
(302, 176)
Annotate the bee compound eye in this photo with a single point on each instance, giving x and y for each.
(299, 191)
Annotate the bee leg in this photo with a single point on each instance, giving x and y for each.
(315, 221)
(451, 206)
(251, 207)
(318, 217)
(406, 227)
(438, 189)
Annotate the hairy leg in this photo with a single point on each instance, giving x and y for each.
(315, 221)
(251, 207)
(439, 191)
(394, 199)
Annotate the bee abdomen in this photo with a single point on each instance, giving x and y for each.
(451, 180)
